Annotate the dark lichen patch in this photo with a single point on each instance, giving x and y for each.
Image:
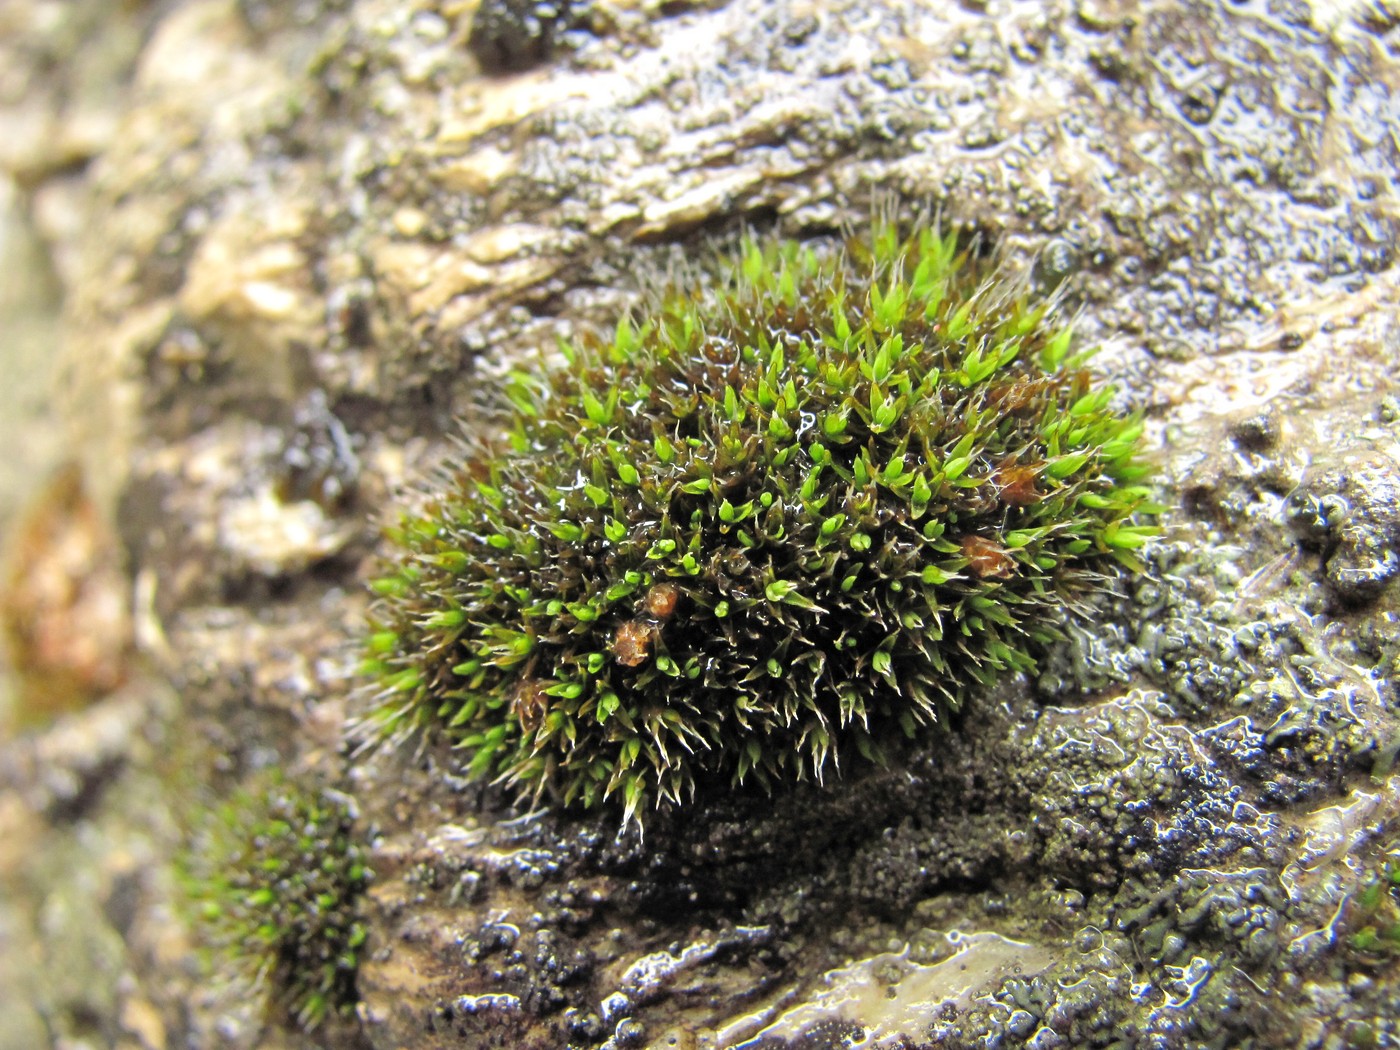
(1351, 512)
(65, 629)
(511, 35)
(1373, 919)
(318, 459)
(765, 527)
(273, 880)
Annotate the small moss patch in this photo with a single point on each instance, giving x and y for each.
(273, 878)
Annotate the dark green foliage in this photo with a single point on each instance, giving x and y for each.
(767, 525)
(275, 878)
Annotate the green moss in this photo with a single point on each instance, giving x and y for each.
(1374, 916)
(760, 529)
(274, 878)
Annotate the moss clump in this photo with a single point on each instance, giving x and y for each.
(766, 524)
(274, 878)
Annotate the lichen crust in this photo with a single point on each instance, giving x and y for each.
(777, 518)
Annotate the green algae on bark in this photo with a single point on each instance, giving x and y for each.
(767, 525)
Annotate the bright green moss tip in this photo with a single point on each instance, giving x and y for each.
(273, 880)
(1374, 913)
(762, 528)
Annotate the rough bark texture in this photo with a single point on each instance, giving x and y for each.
(296, 242)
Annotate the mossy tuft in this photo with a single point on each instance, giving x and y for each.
(274, 878)
(765, 526)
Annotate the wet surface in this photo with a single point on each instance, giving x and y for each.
(297, 242)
